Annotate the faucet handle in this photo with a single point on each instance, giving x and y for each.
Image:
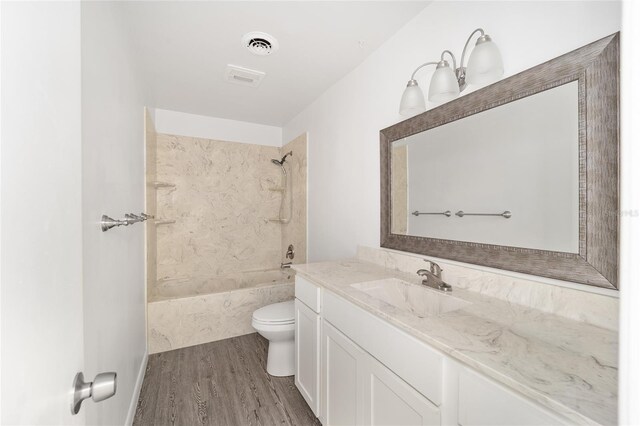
(434, 267)
(445, 287)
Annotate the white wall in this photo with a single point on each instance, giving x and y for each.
(41, 262)
(222, 129)
(630, 221)
(344, 122)
(113, 184)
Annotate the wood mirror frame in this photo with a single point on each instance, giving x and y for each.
(596, 69)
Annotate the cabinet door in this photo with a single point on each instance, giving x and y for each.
(484, 402)
(307, 344)
(389, 400)
(342, 378)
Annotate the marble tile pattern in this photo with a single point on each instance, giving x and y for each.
(295, 232)
(221, 204)
(188, 321)
(568, 366)
(220, 260)
(175, 288)
(399, 190)
(592, 308)
(150, 142)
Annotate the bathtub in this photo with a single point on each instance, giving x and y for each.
(184, 312)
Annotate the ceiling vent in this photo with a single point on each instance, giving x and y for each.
(259, 43)
(244, 76)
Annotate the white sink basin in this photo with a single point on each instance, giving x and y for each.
(420, 301)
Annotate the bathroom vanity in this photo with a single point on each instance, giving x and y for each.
(373, 346)
(522, 176)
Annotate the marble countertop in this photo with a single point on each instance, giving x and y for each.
(565, 365)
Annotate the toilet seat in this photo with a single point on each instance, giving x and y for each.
(276, 314)
(255, 321)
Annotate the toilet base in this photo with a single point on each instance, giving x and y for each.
(281, 358)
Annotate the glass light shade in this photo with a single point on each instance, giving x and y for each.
(412, 101)
(485, 63)
(444, 84)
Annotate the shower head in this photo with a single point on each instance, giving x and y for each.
(282, 160)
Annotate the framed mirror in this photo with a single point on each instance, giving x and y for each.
(520, 175)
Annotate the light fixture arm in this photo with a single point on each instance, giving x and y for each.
(464, 50)
(420, 67)
(452, 57)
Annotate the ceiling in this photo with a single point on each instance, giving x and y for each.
(184, 48)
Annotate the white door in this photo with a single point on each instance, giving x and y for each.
(389, 400)
(40, 213)
(307, 344)
(342, 380)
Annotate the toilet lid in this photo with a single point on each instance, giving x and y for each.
(275, 313)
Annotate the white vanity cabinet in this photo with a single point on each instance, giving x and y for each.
(374, 370)
(354, 368)
(389, 400)
(342, 379)
(307, 342)
(484, 402)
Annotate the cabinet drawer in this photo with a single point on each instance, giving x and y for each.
(484, 402)
(413, 361)
(308, 293)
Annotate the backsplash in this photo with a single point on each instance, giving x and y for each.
(592, 308)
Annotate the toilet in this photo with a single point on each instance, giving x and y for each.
(276, 324)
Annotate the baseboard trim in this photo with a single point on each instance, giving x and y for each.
(136, 391)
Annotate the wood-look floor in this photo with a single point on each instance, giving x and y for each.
(219, 383)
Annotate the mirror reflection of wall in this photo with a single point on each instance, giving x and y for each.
(522, 157)
(399, 217)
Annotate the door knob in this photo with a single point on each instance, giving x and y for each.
(103, 387)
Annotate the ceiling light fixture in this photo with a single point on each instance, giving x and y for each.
(485, 66)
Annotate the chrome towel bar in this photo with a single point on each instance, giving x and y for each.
(506, 214)
(418, 213)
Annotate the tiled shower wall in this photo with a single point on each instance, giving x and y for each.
(150, 142)
(221, 203)
(221, 198)
(399, 186)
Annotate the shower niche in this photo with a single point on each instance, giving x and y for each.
(235, 209)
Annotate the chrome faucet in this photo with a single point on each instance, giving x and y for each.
(433, 277)
(285, 265)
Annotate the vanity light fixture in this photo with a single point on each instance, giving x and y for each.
(485, 65)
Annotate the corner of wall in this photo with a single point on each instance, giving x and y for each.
(133, 405)
(215, 128)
